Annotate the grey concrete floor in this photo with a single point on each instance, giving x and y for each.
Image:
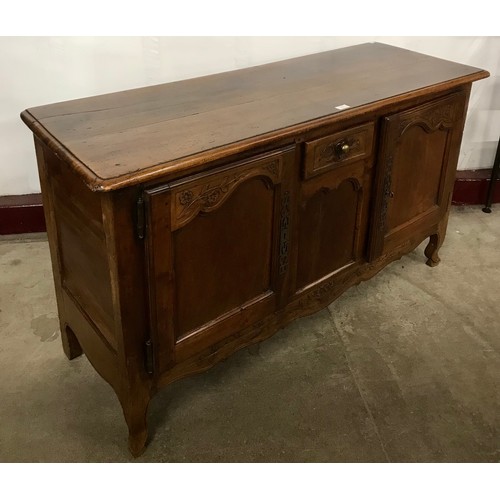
(402, 368)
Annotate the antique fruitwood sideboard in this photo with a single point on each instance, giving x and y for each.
(190, 219)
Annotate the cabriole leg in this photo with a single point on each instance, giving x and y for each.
(71, 346)
(135, 413)
(432, 249)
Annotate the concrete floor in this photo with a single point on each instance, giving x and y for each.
(403, 368)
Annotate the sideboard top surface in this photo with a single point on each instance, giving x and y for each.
(122, 138)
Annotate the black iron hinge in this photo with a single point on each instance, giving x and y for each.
(140, 218)
(149, 361)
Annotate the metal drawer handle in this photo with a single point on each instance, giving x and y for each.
(342, 149)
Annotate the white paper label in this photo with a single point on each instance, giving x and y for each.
(342, 107)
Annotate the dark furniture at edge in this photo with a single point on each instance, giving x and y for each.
(494, 176)
(191, 219)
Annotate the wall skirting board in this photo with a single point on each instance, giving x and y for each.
(471, 187)
(24, 213)
(21, 214)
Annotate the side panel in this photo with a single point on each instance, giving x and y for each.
(81, 246)
(80, 266)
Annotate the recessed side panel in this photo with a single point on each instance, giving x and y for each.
(83, 257)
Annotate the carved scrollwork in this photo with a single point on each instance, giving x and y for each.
(324, 288)
(284, 232)
(387, 193)
(273, 167)
(186, 197)
(441, 117)
(208, 193)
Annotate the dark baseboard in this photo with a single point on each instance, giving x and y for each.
(471, 187)
(21, 214)
(24, 213)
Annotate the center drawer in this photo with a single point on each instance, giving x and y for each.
(338, 149)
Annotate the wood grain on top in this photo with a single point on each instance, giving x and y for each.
(115, 139)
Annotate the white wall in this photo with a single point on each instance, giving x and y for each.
(41, 70)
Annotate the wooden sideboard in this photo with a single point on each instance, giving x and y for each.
(190, 219)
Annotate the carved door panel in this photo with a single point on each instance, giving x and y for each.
(332, 223)
(416, 168)
(217, 246)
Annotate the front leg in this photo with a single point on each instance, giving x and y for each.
(71, 346)
(135, 411)
(432, 249)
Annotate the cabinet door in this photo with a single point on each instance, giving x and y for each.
(416, 168)
(333, 205)
(217, 249)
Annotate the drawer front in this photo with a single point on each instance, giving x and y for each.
(338, 149)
